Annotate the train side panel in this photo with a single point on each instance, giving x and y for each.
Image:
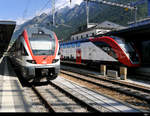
(101, 50)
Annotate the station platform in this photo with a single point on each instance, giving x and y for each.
(11, 92)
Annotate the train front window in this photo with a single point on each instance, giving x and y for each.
(42, 44)
(126, 46)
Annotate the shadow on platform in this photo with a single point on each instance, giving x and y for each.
(5, 64)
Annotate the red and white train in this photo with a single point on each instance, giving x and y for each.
(36, 54)
(101, 50)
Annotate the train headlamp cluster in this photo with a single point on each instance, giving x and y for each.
(31, 61)
(55, 60)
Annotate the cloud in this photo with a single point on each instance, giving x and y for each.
(20, 21)
(65, 3)
(59, 4)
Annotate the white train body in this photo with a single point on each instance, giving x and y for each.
(36, 54)
(100, 50)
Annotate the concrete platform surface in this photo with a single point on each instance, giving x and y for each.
(11, 92)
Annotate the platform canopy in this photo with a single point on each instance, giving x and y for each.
(137, 33)
(6, 31)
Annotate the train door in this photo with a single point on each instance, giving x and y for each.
(78, 56)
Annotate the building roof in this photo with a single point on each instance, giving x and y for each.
(104, 25)
(6, 31)
(110, 25)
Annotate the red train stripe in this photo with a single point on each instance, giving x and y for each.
(40, 59)
(25, 35)
(119, 52)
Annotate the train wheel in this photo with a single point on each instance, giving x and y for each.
(50, 78)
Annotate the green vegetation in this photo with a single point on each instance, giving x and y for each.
(69, 20)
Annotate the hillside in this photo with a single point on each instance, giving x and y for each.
(68, 20)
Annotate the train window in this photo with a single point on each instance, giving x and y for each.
(23, 51)
(86, 35)
(78, 44)
(67, 46)
(77, 37)
(59, 51)
(92, 34)
(126, 46)
(106, 48)
(43, 44)
(73, 45)
(39, 36)
(118, 40)
(70, 45)
(64, 46)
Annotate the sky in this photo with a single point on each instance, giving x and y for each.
(23, 10)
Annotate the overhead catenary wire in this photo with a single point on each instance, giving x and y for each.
(45, 5)
(26, 9)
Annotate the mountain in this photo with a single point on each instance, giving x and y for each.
(68, 20)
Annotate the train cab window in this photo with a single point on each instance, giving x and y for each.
(125, 45)
(59, 51)
(42, 44)
(106, 48)
(23, 51)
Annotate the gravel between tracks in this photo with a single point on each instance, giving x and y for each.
(121, 97)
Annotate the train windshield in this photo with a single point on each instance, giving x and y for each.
(42, 44)
(126, 46)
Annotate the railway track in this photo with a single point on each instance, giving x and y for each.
(50, 97)
(129, 89)
(55, 99)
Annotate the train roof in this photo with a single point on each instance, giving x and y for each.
(107, 25)
(75, 41)
(7, 22)
(135, 32)
(43, 30)
(6, 30)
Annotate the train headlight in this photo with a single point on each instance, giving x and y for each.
(55, 60)
(31, 61)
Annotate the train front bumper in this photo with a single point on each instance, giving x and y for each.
(37, 71)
